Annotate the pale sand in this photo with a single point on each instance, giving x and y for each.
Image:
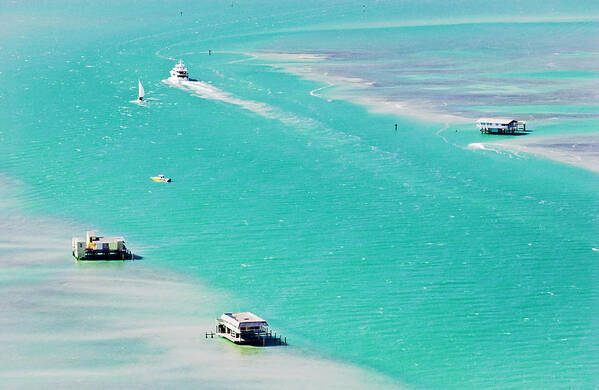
(581, 150)
(350, 89)
(98, 325)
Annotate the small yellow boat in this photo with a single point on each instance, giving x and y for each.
(161, 179)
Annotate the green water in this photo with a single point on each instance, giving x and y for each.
(402, 253)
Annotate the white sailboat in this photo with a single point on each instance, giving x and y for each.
(140, 96)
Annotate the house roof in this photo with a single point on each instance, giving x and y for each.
(244, 317)
(503, 121)
(110, 239)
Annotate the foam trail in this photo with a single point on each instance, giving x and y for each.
(210, 92)
(482, 146)
(251, 57)
(314, 91)
(207, 91)
(477, 145)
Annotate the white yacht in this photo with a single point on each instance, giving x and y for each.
(179, 71)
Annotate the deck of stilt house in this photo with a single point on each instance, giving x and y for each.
(94, 247)
(501, 126)
(246, 328)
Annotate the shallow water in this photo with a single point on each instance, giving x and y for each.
(396, 258)
(581, 150)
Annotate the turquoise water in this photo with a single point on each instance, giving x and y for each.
(387, 258)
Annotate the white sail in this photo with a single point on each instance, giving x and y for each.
(141, 91)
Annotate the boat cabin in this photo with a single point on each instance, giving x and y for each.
(161, 178)
(242, 328)
(501, 126)
(179, 71)
(100, 248)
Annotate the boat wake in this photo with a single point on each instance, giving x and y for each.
(478, 145)
(314, 91)
(502, 149)
(206, 91)
(304, 124)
